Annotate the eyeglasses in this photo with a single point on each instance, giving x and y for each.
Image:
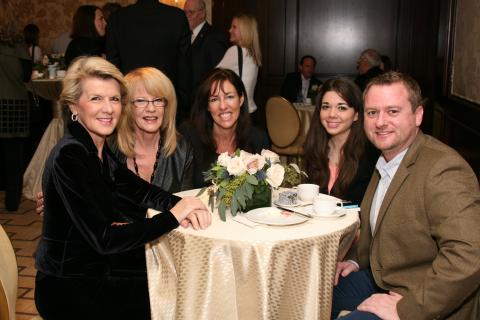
(157, 103)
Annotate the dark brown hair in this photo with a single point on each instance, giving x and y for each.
(201, 117)
(316, 143)
(84, 22)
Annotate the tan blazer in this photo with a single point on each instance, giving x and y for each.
(426, 242)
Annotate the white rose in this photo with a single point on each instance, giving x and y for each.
(254, 163)
(314, 87)
(236, 166)
(275, 175)
(270, 155)
(224, 159)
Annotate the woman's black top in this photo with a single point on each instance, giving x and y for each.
(82, 46)
(83, 196)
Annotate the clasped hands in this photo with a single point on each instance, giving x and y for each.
(188, 211)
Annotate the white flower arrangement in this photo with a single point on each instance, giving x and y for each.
(236, 178)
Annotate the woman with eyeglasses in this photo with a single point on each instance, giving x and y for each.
(147, 139)
(91, 259)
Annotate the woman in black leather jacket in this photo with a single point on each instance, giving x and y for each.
(89, 258)
(147, 140)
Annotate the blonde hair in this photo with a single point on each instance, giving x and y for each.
(156, 84)
(249, 36)
(89, 67)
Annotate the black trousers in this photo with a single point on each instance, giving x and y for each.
(12, 166)
(105, 297)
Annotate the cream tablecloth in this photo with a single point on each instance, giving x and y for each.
(233, 271)
(32, 178)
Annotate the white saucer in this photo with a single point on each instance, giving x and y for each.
(277, 203)
(336, 214)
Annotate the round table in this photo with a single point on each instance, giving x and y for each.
(235, 271)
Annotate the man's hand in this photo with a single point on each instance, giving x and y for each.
(344, 268)
(383, 305)
(39, 207)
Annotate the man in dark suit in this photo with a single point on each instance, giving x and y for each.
(418, 250)
(208, 45)
(368, 66)
(298, 86)
(149, 33)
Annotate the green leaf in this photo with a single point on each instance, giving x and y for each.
(201, 191)
(234, 207)
(248, 190)
(252, 179)
(221, 211)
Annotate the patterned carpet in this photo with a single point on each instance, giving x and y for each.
(24, 228)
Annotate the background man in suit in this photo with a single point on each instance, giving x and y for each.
(298, 86)
(368, 66)
(208, 45)
(419, 238)
(149, 33)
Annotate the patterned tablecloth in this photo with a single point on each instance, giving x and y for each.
(235, 271)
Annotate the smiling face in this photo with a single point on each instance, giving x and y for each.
(149, 118)
(235, 34)
(224, 105)
(336, 116)
(100, 22)
(99, 107)
(390, 123)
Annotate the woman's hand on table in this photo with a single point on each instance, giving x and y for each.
(191, 210)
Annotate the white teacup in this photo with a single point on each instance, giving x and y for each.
(306, 191)
(326, 206)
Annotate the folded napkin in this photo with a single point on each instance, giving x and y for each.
(240, 218)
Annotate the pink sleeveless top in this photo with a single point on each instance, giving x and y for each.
(333, 176)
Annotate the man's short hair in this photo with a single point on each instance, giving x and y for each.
(391, 77)
(308, 57)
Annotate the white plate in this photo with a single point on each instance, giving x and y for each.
(273, 216)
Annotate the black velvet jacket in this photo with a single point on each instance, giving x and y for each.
(82, 197)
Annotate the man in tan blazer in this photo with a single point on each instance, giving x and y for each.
(418, 256)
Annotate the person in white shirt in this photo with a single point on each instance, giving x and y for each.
(244, 33)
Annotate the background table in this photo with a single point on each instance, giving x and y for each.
(32, 178)
(232, 271)
(305, 113)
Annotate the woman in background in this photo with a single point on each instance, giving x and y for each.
(90, 260)
(220, 122)
(338, 156)
(244, 33)
(31, 34)
(88, 34)
(15, 69)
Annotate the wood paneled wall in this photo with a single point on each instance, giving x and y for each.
(416, 35)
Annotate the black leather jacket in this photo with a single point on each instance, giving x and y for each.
(83, 196)
(175, 172)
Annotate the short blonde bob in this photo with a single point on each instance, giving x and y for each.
(89, 67)
(158, 85)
